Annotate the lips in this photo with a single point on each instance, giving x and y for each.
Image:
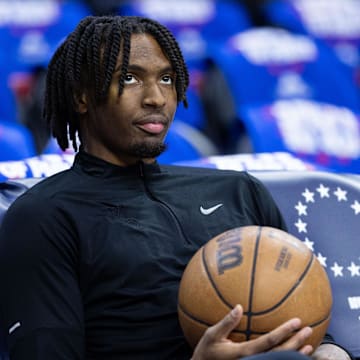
(152, 124)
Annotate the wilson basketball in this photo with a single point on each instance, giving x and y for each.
(272, 274)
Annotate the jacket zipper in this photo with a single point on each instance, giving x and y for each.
(166, 206)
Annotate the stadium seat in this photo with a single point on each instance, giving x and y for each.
(30, 31)
(16, 142)
(317, 132)
(8, 110)
(266, 64)
(335, 22)
(321, 209)
(185, 142)
(194, 24)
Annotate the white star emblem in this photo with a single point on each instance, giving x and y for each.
(354, 269)
(356, 207)
(301, 226)
(322, 259)
(309, 244)
(350, 268)
(323, 191)
(337, 269)
(301, 208)
(340, 194)
(308, 195)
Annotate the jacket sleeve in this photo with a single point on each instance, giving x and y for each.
(41, 307)
(269, 213)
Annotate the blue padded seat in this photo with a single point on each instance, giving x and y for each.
(267, 64)
(321, 133)
(16, 142)
(323, 210)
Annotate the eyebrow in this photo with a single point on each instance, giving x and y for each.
(140, 69)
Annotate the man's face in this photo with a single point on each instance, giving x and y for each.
(133, 126)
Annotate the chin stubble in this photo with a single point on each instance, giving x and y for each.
(148, 150)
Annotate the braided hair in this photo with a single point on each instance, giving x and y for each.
(87, 59)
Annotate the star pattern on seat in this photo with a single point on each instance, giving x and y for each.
(337, 196)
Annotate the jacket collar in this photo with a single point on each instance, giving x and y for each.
(94, 166)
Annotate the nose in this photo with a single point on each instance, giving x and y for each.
(154, 96)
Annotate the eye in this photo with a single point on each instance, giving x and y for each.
(167, 79)
(129, 79)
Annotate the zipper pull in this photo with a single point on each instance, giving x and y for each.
(141, 168)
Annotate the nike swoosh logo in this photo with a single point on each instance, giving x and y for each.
(210, 210)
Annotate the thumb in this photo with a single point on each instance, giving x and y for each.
(223, 328)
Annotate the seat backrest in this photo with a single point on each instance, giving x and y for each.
(323, 210)
(185, 143)
(266, 64)
(194, 23)
(32, 30)
(335, 22)
(16, 142)
(317, 132)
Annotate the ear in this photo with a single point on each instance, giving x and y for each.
(81, 103)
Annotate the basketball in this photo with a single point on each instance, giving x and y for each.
(272, 274)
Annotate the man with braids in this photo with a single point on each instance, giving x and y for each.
(91, 258)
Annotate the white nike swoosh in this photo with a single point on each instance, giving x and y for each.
(14, 327)
(210, 210)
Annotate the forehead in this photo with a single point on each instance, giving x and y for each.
(146, 52)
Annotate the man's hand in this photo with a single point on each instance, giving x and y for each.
(330, 352)
(215, 344)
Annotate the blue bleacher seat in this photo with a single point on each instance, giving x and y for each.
(30, 31)
(336, 22)
(16, 142)
(317, 132)
(185, 142)
(322, 209)
(267, 64)
(194, 24)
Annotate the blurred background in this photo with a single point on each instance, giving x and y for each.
(267, 76)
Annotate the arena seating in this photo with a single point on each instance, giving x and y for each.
(293, 59)
(30, 31)
(16, 142)
(334, 22)
(267, 64)
(320, 208)
(185, 143)
(318, 132)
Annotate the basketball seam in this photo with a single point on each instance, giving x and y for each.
(212, 280)
(293, 288)
(251, 292)
(320, 321)
(186, 313)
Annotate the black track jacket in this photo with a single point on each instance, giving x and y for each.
(91, 258)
